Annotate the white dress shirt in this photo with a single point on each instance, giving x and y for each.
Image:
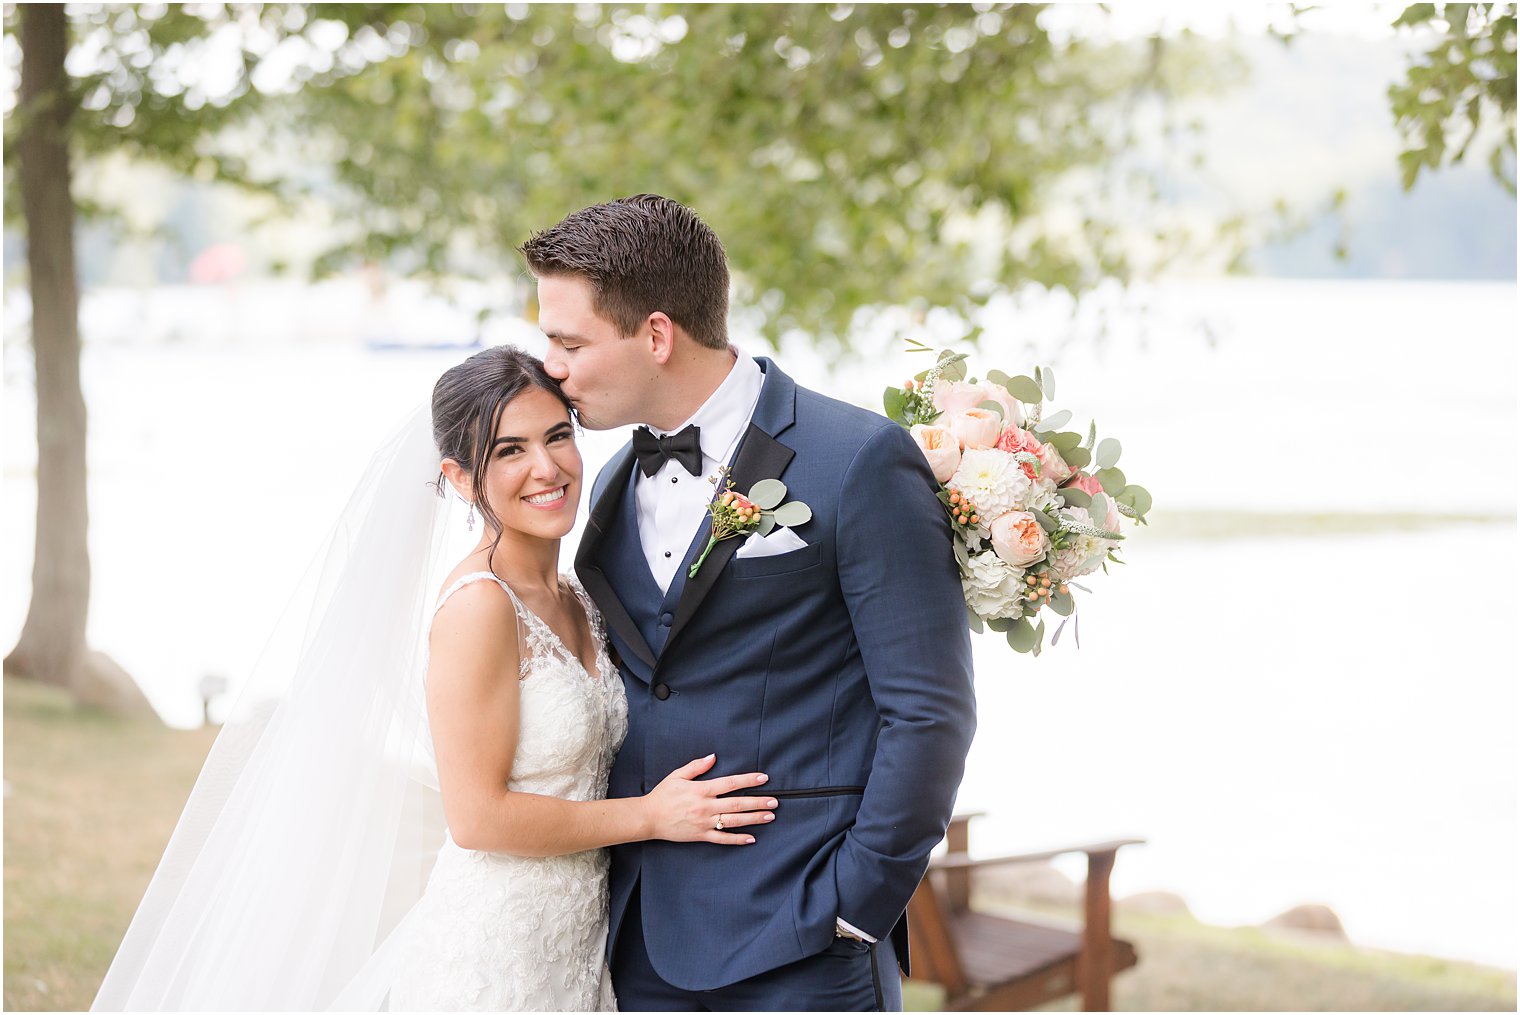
(672, 503)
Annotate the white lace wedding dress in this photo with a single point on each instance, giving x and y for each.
(495, 932)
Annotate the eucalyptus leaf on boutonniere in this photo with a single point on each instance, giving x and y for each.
(734, 514)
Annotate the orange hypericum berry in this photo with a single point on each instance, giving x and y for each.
(955, 497)
(910, 384)
(975, 519)
(1031, 579)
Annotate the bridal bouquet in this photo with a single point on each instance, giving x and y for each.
(1033, 506)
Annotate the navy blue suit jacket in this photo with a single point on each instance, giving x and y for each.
(842, 669)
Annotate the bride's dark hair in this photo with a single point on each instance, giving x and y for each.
(467, 404)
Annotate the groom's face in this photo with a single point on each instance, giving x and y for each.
(606, 374)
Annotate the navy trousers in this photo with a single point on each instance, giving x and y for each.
(846, 976)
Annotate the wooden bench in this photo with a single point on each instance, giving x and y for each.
(987, 962)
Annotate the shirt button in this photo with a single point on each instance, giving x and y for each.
(675, 479)
(667, 553)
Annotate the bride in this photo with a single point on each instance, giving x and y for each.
(306, 872)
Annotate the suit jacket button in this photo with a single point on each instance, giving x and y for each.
(661, 691)
(666, 618)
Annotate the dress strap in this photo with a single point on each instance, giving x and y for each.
(525, 617)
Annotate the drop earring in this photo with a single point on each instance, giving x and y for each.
(469, 520)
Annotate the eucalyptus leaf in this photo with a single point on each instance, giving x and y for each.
(1076, 497)
(1065, 440)
(1077, 458)
(767, 493)
(1098, 509)
(955, 370)
(1000, 624)
(1048, 384)
(1025, 389)
(973, 620)
(998, 377)
(1062, 604)
(1039, 637)
(895, 402)
(992, 407)
(793, 514)
(1092, 435)
(1112, 480)
(1058, 420)
(1107, 454)
(767, 522)
(1048, 523)
(1021, 636)
(1139, 498)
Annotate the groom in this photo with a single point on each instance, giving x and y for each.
(833, 655)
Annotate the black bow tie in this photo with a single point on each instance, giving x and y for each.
(653, 452)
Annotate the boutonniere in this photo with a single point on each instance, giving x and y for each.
(735, 514)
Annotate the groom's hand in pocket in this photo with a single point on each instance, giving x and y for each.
(682, 809)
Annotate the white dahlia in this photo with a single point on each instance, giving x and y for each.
(1085, 554)
(993, 587)
(993, 481)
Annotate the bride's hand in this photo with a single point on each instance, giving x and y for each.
(685, 810)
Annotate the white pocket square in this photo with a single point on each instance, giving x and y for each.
(780, 540)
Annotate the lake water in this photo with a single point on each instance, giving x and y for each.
(1285, 718)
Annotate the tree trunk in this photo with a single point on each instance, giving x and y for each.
(52, 645)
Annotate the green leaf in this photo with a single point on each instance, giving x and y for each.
(1092, 435)
(1021, 636)
(1039, 637)
(993, 406)
(1138, 497)
(998, 377)
(1047, 523)
(767, 522)
(895, 402)
(974, 621)
(793, 514)
(955, 370)
(1025, 390)
(1048, 384)
(767, 493)
(1064, 441)
(1062, 604)
(1112, 480)
(1098, 509)
(1077, 458)
(1056, 421)
(1000, 624)
(1107, 455)
(1075, 497)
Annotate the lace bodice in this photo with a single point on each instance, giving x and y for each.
(572, 721)
(497, 932)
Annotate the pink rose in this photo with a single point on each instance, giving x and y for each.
(1087, 484)
(975, 428)
(951, 397)
(1053, 465)
(1018, 539)
(940, 447)
(1012, 439)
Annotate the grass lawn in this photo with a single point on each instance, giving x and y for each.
(90, 802)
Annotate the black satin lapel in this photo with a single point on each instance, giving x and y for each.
(760, 456)
(598, 525)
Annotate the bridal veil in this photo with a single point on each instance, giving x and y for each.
(312, 827)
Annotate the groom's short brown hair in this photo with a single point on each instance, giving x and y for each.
(642, 254)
